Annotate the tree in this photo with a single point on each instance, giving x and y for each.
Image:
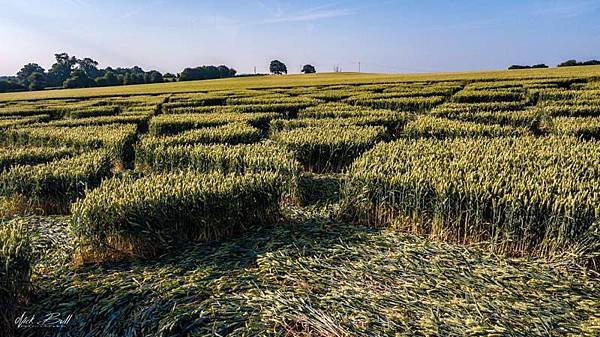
(89, 67)
(37, 81)
(277, 67)
(225, 71)
(137, 70)
(27, 70)
(516, 66)
(61, 70)
(112, 79)
(153, 76)
(168, 77)
(7, 86)
(109, 79)
(71, 72)
(590, 63)
(133, 78)
(569, 63)
(308, 69)
(206, 72)
(78, 79)
(572, 63)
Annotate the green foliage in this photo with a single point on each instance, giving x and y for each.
(24, 75)
(206, 73)
(78, 79)
(535, 66)
(8, 86)
(573, 63)
(153, 76)
(277, 67)
(61, 70)
(37, 81)
(109, 79)
(308, 69)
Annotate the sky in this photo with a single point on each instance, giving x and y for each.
(387, 36)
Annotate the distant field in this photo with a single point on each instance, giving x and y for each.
(302, 80)
(344, 204)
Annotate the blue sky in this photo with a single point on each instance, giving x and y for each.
(385, 36)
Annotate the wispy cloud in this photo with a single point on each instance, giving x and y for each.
(467, 25)
(139, 10)
(571, 9)
(78, 3)
(322, 7)
(274, 8)
(279, 14)
(320, 14)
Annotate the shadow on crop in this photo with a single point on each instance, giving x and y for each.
(300, 228)
(188, 287)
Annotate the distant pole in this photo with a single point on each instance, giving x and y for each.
(359, 66)
(254, 70)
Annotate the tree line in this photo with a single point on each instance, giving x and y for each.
(569, 63)
(573, 63)
(72, 72)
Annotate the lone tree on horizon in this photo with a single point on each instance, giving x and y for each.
(277, 67)
(309, 69)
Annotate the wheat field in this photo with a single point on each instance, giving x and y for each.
(336, 204)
